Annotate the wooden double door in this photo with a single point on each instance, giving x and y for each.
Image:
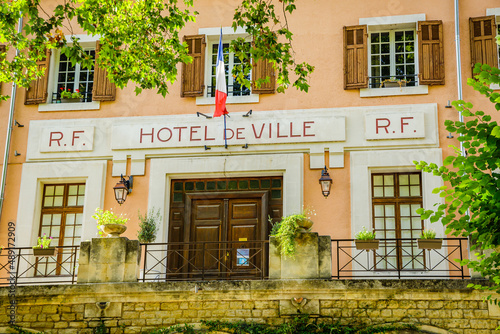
(223, 234)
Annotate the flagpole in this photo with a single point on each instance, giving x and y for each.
(225, 132)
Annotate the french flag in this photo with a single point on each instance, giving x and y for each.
(220, 83)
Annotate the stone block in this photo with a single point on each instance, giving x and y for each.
(312, 258)
(109, 260)
(325, 256)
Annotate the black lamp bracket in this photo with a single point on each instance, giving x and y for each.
(202, 114)
(128, 183)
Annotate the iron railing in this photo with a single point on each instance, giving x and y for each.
(232, 90)
(87, 97)
(399, 258)
(18, 266)
(193, 261)
(376, 81)
(243, 260)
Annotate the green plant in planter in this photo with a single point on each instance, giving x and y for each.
(107, 217)
(286, 231)
(148, 227)
(365, 235)
(428, 234)
(42, 242)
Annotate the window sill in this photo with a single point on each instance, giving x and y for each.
(252, 98)
(376, 92)
(495, 86)
(94, 105)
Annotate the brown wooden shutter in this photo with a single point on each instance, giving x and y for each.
(193, 78)
(103, 89)
(37, 91)
(261, 70)
(482, 41)
(355, 57)
(431, 53)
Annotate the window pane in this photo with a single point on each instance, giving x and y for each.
(405, 210)
(390, 210)
(404, 191)
(414, 178)
(384, 37)
(390, 223)
(59, 190)
(405, 222)
(415, 191)
(58, 201)
(49, 201)
(379, 210)
(379, 223)
(389, 191)
(72, 190)
(378, 192)
(71, 200)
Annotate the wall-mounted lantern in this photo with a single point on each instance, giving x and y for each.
(326, 182)
(122, 189)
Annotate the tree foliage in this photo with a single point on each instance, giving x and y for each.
(140, 40)
(472, 190)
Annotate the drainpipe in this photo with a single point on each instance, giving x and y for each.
(9, 128)
(460, 97)
(459, 66)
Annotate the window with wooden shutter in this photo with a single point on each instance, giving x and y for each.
(430, 53)
(37, 91)
(192, 83)
(482, 41)
(261, 70)
(355, 57)
(103, 89)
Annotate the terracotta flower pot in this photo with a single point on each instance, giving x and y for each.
(49, 251)
(78, 99)
(113, 230)
(429, 243)
(367, 244)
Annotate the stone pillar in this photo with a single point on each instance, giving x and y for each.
(109, 260)
(313, 258)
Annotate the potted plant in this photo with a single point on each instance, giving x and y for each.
(148, 227)
(366, 240)
(287, 230)
(109, 223)
(43, 248)
(428, 240)
(393, 82)
(67, 96)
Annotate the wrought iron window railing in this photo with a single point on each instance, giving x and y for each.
(18, 266)
(410, 262)
(87, 97)
(232, 90)
(407, 80)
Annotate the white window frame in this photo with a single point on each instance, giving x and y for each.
(393, 23)
(496, 12)
(364, 163)
(392, 50)
(212, 37)
(88, 43)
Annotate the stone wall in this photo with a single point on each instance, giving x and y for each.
(437, 306)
